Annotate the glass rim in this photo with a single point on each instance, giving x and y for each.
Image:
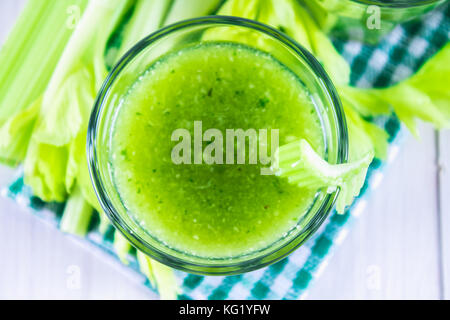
(403, 4)
(326, 205)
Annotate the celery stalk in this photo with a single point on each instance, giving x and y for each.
(15, 135)
(77, 214)
(31, 52)
(105, 223)
(77, 172)
(165, 280)
(281, 14)
(148, 17)
(30, 56)
(302, 166)
(70, 95)
(57, 148)
(187, 9)
(248, 9)
(122, 247)
(294, 20)
(145, 266)
(323, 48)
(324, 18)
(160, 276)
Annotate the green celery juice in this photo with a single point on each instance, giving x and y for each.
(217, 210)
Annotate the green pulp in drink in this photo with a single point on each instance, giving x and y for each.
(218, 210)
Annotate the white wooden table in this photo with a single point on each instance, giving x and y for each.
(399, 249)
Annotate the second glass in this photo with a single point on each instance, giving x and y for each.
(366, 20)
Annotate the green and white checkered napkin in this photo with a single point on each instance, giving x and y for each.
(394, 59)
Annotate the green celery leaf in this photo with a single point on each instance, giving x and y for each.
(364, 101)
(364, 137)
(45, 171)
(15, 134)
(423, 96)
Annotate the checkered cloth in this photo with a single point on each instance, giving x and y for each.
(394, 59)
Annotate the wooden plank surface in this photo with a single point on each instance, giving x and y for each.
(391, 253)
(394, 251)
(444, 197)
(39, 262)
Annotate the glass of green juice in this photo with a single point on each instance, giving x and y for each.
(366, 20)
(161, 118)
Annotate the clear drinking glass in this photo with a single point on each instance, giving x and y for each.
(366, 20)
(175, 37)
